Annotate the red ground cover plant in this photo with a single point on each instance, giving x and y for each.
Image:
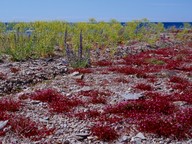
(123, 69)
(28, 128)
(57, 102)
(2, 133)
(145, 87)
(183, 87)
(4, 116)
(103, 63)
(24, 96)
(8, 104)
(142, 74)
(46, 95)
(14, 69)
(166, 52)
(149, 106)
(2, 76)
(185, 68)
(105, 133)
(177, 126)
(152, 95)
(173, 64)
(139, 72)
(136, 59)
(98, 100)
(81, 82)
(186, 97)
(64, 105)
(176, 79)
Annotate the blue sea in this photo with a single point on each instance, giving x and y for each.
(177, 25)
(167, 25)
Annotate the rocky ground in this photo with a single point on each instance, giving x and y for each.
(143, 98)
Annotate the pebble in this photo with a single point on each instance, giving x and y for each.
(66, 142)
(30, 72)
(78, 77)
(140, 135)
(3, 124)
(74, 74)
(124, 138)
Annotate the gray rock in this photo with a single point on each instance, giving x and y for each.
(66, 142)
(124, 139)
(43, 120)
(35, 102)
(83, 134)
(74, 74)
(140, 135)
(138, 138)
(179, 103)
(79, 77)
(3, 124)
(131, 96)
(79, 138)
(189, 141)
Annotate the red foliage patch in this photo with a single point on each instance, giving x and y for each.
(155, 105)
(135, 59)
(81, 82)
(98, 100)
(14, 69)
(105, 133)
(174, 126)
(103, 63)
(152, 95)
(2, 76)
(187, 97)
(27, 128)
(64, 104)
(184, 68)
(24, 96)
(144, 87)
(183, 87)
(3, 116)
(176, 79)
(46, 95)
(2, 133)
(57, 102)
(124, 69)
(8, 104)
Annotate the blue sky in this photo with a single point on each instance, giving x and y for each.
(82, 10)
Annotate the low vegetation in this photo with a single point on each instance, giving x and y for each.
(39, 39)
